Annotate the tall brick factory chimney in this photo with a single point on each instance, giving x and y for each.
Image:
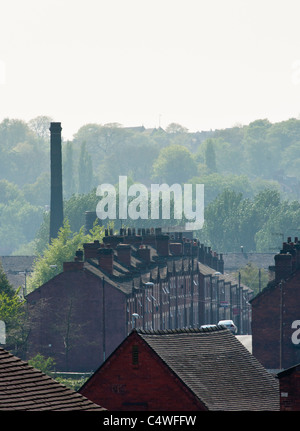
(56, 199)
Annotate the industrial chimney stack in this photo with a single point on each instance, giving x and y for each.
(56, 200)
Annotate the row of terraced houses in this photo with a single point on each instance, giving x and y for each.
(143, 280)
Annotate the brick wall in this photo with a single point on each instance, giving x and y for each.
(134, 378)
(273, 313)
(290, 390)
(67, 321)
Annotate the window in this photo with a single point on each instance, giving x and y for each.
(135, 355)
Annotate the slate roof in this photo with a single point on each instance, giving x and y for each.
(216, 367)
(125, 278)
(25, 388)
(14, 268)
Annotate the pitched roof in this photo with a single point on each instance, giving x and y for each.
(14, 268)
(288, 371)
(25, 388)
(216, 367)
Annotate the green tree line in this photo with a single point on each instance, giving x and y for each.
(245, 160)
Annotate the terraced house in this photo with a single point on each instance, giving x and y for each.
(182, 370)
(143, 280)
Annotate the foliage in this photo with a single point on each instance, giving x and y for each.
(12, 313)
(282, 223)
(210, 156)
(19, 222)
(5, 286)
(40, 362)
(243, 159)
(253, 277)
(85, 171)
(40, 126)
(74, 211)
(61, 249)
(69, 183)
(38, 193)
(72, 383)
(232, 221)
(174, 164)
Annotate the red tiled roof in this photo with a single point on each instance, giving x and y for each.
(25, 388)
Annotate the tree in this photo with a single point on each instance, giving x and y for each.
(253, 277)
(14, 131)
(257, 150)
(40, 362)
(210, 156)
(232, 221)
(74, 211)
(291, 159)
(38, 193)
(176, 128)
(40, 126)
(100, 140)
(12, 315)
(174, 164)
(85, 171)
(61, 249)
(5, 286)
(9, 192)
(134, 158)
(221, 225)
(215, 183)
(282, 223)
(68, 170)
(19, 222)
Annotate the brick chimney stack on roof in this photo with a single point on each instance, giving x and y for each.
(91, 250)
(283, 266)
(176, 248)
(144, 253)
(76, 265)
(162, 245)
(106, 259)
(124, 253)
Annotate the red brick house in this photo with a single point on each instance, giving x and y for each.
(276, 312)
(182, 370)
(24, 388)
(289, 389)
(146, 280)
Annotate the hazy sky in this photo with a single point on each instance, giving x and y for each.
(203, 64)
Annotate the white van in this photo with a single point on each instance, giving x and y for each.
(229, 325)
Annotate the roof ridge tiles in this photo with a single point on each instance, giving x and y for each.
(215, 328)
